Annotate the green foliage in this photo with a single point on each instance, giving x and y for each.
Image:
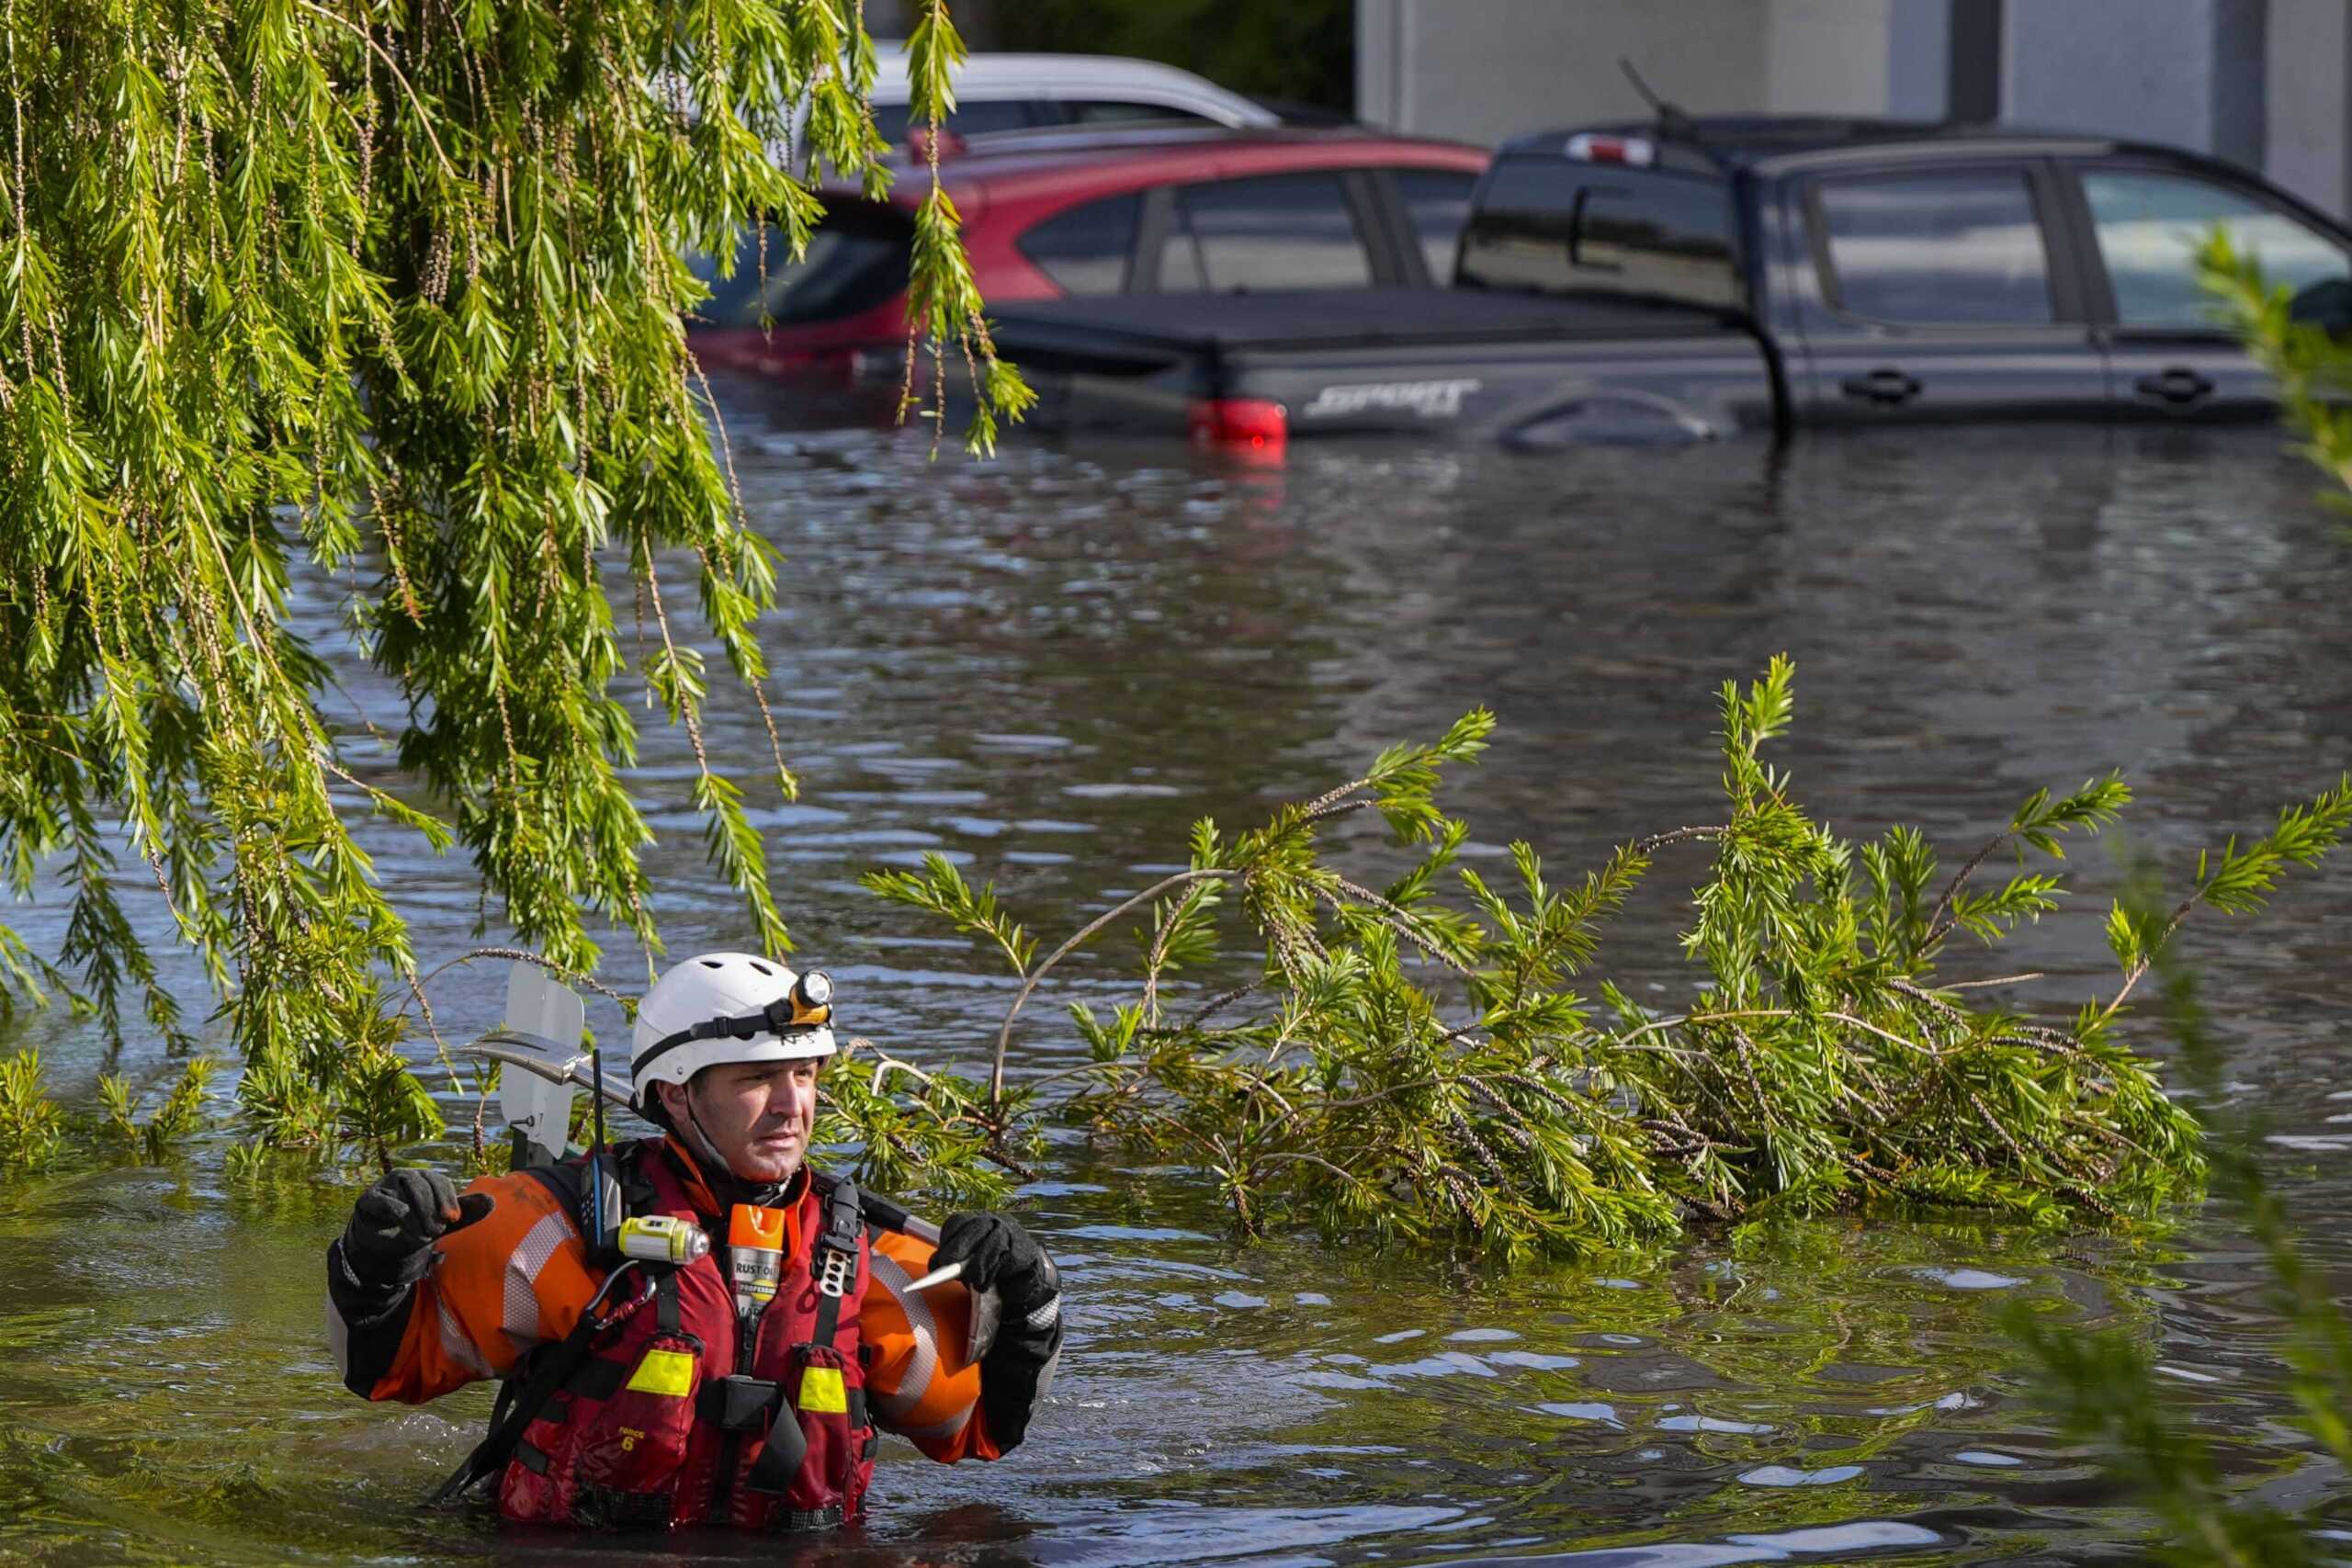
(386, 300)
(913, 1133)
(2312, 368)
(2104, 1387)
(35, 1130)
(32, 1125)
(1400, 1066)
(151, 1142)
(940, 889)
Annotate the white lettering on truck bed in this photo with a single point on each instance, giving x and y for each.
(1430, 399)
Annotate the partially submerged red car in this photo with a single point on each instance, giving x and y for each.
(1050, 215)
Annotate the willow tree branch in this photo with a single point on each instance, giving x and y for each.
(2140, 970)
(424, 121)
(1939, 918)
(1029, 981)
(1676, 835)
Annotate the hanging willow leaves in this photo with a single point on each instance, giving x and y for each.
(384, 300)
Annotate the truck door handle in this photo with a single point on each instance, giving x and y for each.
(1887, 386)
(2177, 384)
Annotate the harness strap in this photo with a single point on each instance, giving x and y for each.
(833, 1259)
(518, 1407)
(665, 1303)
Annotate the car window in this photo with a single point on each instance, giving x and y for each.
(1274, 232)
(1437, 201)
(1937, 250)
(969, 119)
(1093, 111)
(1552, 225)
(857, 259)
(2152, 226)
(1668, 237)
(1085, 249)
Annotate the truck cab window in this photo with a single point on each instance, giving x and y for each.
(1261, 235)
(1551, 225)
(1085, 248)
(1954, 250)
(1660, 238)
(2151, 227)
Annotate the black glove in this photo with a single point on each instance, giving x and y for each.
(1016, 1317)
(999, 1255)
(396, 1221)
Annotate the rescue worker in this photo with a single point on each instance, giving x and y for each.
(651, 1394)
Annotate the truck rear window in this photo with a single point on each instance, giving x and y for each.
(858, 258)
(1547, 224)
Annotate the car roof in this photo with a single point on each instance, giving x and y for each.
(986, 76)
(1733, 141)
(1026, 164)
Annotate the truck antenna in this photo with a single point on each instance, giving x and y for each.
(1672, 120)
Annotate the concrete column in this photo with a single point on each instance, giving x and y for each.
(2187, 72)
(1919, 65)
(2309, 117)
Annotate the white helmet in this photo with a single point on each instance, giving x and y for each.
(727, 1006)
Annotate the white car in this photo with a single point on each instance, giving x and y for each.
(1015, 92)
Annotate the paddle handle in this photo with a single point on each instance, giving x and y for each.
(937, 1277)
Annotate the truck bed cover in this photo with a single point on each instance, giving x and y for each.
(1355, 318)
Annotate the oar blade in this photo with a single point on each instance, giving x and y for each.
(537, 1105)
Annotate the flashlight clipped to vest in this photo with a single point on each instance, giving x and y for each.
(663, 1238)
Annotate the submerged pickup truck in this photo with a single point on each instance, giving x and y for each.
(1706, 277)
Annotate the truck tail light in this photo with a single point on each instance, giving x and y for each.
(1247, 425)
(1630, 151)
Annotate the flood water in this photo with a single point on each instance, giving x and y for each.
(1044, 668)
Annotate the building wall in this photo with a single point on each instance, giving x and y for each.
(1828, 56)
(2187, 72)
(1482, 69)
(2261, 81)
(2307, 124)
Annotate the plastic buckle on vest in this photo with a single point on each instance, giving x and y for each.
(837, 1248)
(738, 1403)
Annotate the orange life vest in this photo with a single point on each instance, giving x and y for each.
(685, 1413)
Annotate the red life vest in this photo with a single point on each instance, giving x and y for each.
(661, 1428)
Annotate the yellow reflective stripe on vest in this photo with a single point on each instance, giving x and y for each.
(665, 1372)
(822, 1392)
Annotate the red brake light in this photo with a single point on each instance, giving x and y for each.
(1632, 151)
(1246, 425)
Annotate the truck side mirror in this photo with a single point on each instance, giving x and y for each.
(2326, 305)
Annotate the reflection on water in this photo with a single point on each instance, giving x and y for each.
(1043, 669)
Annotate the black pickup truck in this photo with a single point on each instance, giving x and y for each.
(1644, 282)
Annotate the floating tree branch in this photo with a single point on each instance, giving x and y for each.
(1831, 1066)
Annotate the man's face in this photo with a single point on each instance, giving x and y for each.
(757, 1115)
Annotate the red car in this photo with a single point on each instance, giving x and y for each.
(1049, 215)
